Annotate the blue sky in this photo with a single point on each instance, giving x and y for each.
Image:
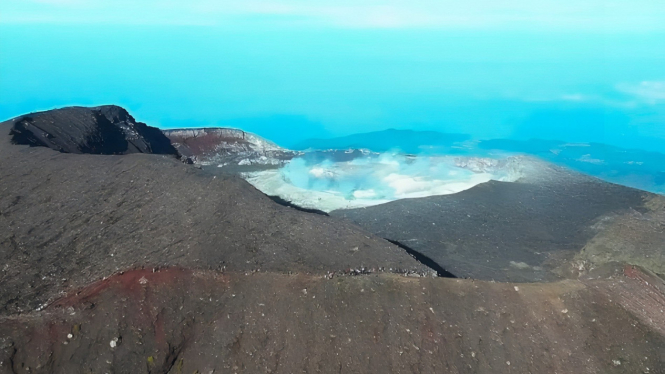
(295, 69)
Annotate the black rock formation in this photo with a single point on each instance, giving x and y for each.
(101, 130)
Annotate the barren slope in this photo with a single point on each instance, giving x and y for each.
(142, 264)
(68, 219)
(183, 321)
(521, 232)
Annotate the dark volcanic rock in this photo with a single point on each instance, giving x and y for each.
(69, 219)
(102, 130)
(521, 232)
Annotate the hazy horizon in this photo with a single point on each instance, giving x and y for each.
(292, 70)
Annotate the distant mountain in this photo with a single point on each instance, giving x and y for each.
(630, 167)
(107, 129)
(408, 141)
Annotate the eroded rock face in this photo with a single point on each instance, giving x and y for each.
(225, 146)
(100, 130)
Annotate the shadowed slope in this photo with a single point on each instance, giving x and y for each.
(504, 231)
(101, 130)
(67, 220)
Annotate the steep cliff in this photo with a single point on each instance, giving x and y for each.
(101, 130)
(224, 146)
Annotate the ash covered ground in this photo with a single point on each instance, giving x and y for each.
(128, 261)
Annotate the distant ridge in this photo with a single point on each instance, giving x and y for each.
(408, 141)
(630, 167)
(221, 145)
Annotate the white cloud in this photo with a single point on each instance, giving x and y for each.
(650, 92)
(59, 2)
(568, 97)
(533, 14)
(577, 97)
(629, 96)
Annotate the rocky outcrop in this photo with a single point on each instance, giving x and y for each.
(225, 146)
(101, 130)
